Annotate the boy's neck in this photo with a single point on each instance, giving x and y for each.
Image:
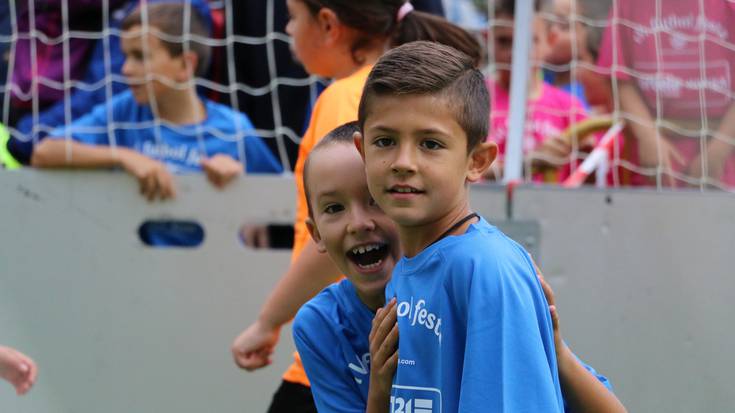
(368, 57)
(180, 107)
(415, 239)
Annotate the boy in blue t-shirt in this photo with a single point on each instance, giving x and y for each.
(160, 125)
(475, 329)
(350, 367)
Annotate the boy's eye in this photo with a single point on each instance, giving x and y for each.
(333, 208)
(136, 55)
(431, 144)
(383, 142)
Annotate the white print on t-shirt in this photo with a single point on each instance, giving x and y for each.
(414, 399)
(676, 23)
(418, 314)
(675, 78)
(165, 152)
(401, 405)
(361, 368)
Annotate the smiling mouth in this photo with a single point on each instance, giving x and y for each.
(404, 190)
(368, 256)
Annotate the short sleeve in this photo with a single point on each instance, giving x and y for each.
(90, 129)
(509, 343)
(331, 387)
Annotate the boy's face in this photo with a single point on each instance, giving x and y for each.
(503, 45)
(416, 158)
(150, 69)
(360, 239)
(307, 38)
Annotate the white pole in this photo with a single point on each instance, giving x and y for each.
(520, 70)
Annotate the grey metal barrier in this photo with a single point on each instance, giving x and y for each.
(642, 280)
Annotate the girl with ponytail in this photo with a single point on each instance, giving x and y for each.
(340, 40)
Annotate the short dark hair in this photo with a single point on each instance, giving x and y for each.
(169, 19)
(342, 134)
(377, 19)
(426, 68)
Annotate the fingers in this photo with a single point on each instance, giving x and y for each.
(221, 170)
(384, 334)
(157, 183)
(391, 364)
(548, 292)
(148, 186)
(554, 317)
(252, 361)
(19, 370)
(165, 182)
(382, 322)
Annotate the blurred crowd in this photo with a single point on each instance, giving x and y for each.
(667, 74)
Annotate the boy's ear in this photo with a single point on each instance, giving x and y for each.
(480, 159)
(191, 62)
(359, 144)
(314, 232)
(329, 23)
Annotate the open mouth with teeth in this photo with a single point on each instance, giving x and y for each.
(368, 256)
(404, 190)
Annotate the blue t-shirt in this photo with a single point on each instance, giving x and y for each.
(475, 333)
(180, 147)
(331, 333)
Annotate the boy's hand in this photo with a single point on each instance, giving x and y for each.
(718, 153)
(551, 154)
(221, 169)
(253, 348)
(153, 177)
(648, 156)
(549, 293)
(383, 354)
(18, 369)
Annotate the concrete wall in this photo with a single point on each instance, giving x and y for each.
(642, 279)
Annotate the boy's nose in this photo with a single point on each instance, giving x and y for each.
(360, 221)
(127, 69)
(405, 161)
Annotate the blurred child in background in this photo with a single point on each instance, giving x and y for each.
(550, 109)
(160, 125)
(675, 91)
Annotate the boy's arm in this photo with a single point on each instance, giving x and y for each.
(221, 169)
(310, 273)
(153, 177)
(333, 389)
(643, 126)
(582, 390)
(718, 150)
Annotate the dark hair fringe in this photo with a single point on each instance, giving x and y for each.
(378, 18)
